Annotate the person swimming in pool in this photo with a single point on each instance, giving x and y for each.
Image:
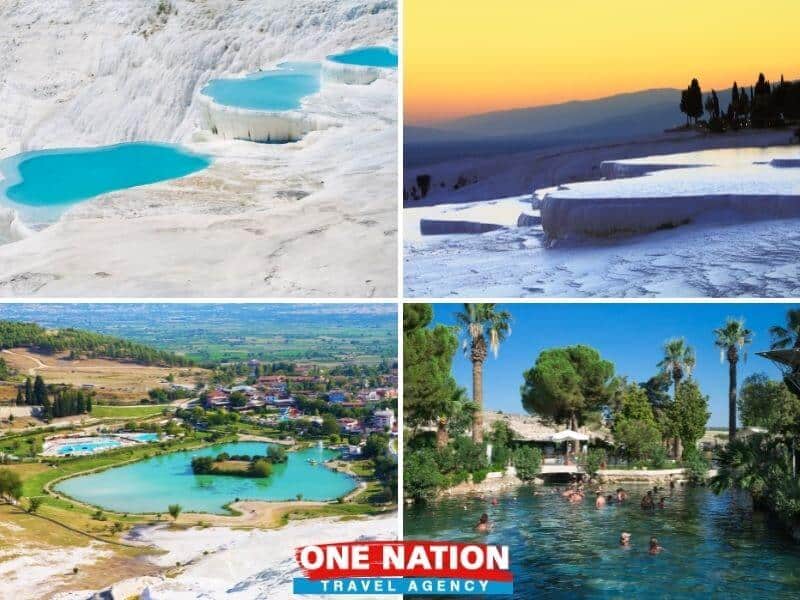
(647, 501)
(622, 495)
(661, 502)
(625, 539)
(483, 524)
(600, 501)
(655, 547)
(576, 496)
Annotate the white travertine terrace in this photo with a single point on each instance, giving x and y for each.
(661, 192)
(231, 122)
(350, 74)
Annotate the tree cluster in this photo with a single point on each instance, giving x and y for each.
(78, 343)
(766, 105)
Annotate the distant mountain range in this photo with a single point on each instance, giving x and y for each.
(621, 116)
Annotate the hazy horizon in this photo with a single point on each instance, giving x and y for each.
(433, 124)
(471, 61)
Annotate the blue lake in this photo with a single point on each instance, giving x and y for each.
(62, 177)
(371, 56)
(278, 90)
(151, 485)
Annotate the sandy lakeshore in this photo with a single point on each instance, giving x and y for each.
(309, 218)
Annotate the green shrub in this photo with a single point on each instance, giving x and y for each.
(469, 455)
(422, 478)
(592, 461)
(696, 466)
(528, 462)
(658, 457)
(479, 476)
(260, 468)
(277, 454)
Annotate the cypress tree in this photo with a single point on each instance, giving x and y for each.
(39, 391)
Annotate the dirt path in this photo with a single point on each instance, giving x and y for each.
(31, 371)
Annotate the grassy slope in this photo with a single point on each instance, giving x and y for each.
(102, 411)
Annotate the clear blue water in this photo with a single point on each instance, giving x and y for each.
(371, 56)
(101, 443)
(66, 176)
(714, 546)
(151, 485)
(142, 437)
(278, 90)
(89, 446)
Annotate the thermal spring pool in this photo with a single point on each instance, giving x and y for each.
(280, 89)
(265, 106)
(40, 185)
(371, 56)
(151, 485)
(360, 66)
(713, 545)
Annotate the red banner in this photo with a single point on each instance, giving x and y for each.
(405, 559)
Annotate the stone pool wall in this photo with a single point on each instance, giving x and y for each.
(259, 126)
(350, 74)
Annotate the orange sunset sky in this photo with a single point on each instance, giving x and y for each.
(466, 57)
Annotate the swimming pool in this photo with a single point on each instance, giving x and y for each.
(151, 485)
(140, 437)
(41, 184)
(714, 546)
(88, 445)
(92, 444)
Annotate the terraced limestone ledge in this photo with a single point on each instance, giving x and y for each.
(351, 74)
(259, 126)
(568, 218)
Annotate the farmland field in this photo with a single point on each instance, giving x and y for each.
(211, 333)
(112, 381)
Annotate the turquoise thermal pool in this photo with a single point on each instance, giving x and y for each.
(43, 183)
(151, 485)
(371, 56)
(281, 89)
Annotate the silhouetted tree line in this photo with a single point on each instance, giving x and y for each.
(766, 105)
(55, 400)
(78, 342)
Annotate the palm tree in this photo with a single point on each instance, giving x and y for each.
(789, 336)
(479, 323)
(678, 362)
(451, 411)
(730, 340)
(744, 464)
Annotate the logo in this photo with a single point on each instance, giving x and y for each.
(408, 567)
